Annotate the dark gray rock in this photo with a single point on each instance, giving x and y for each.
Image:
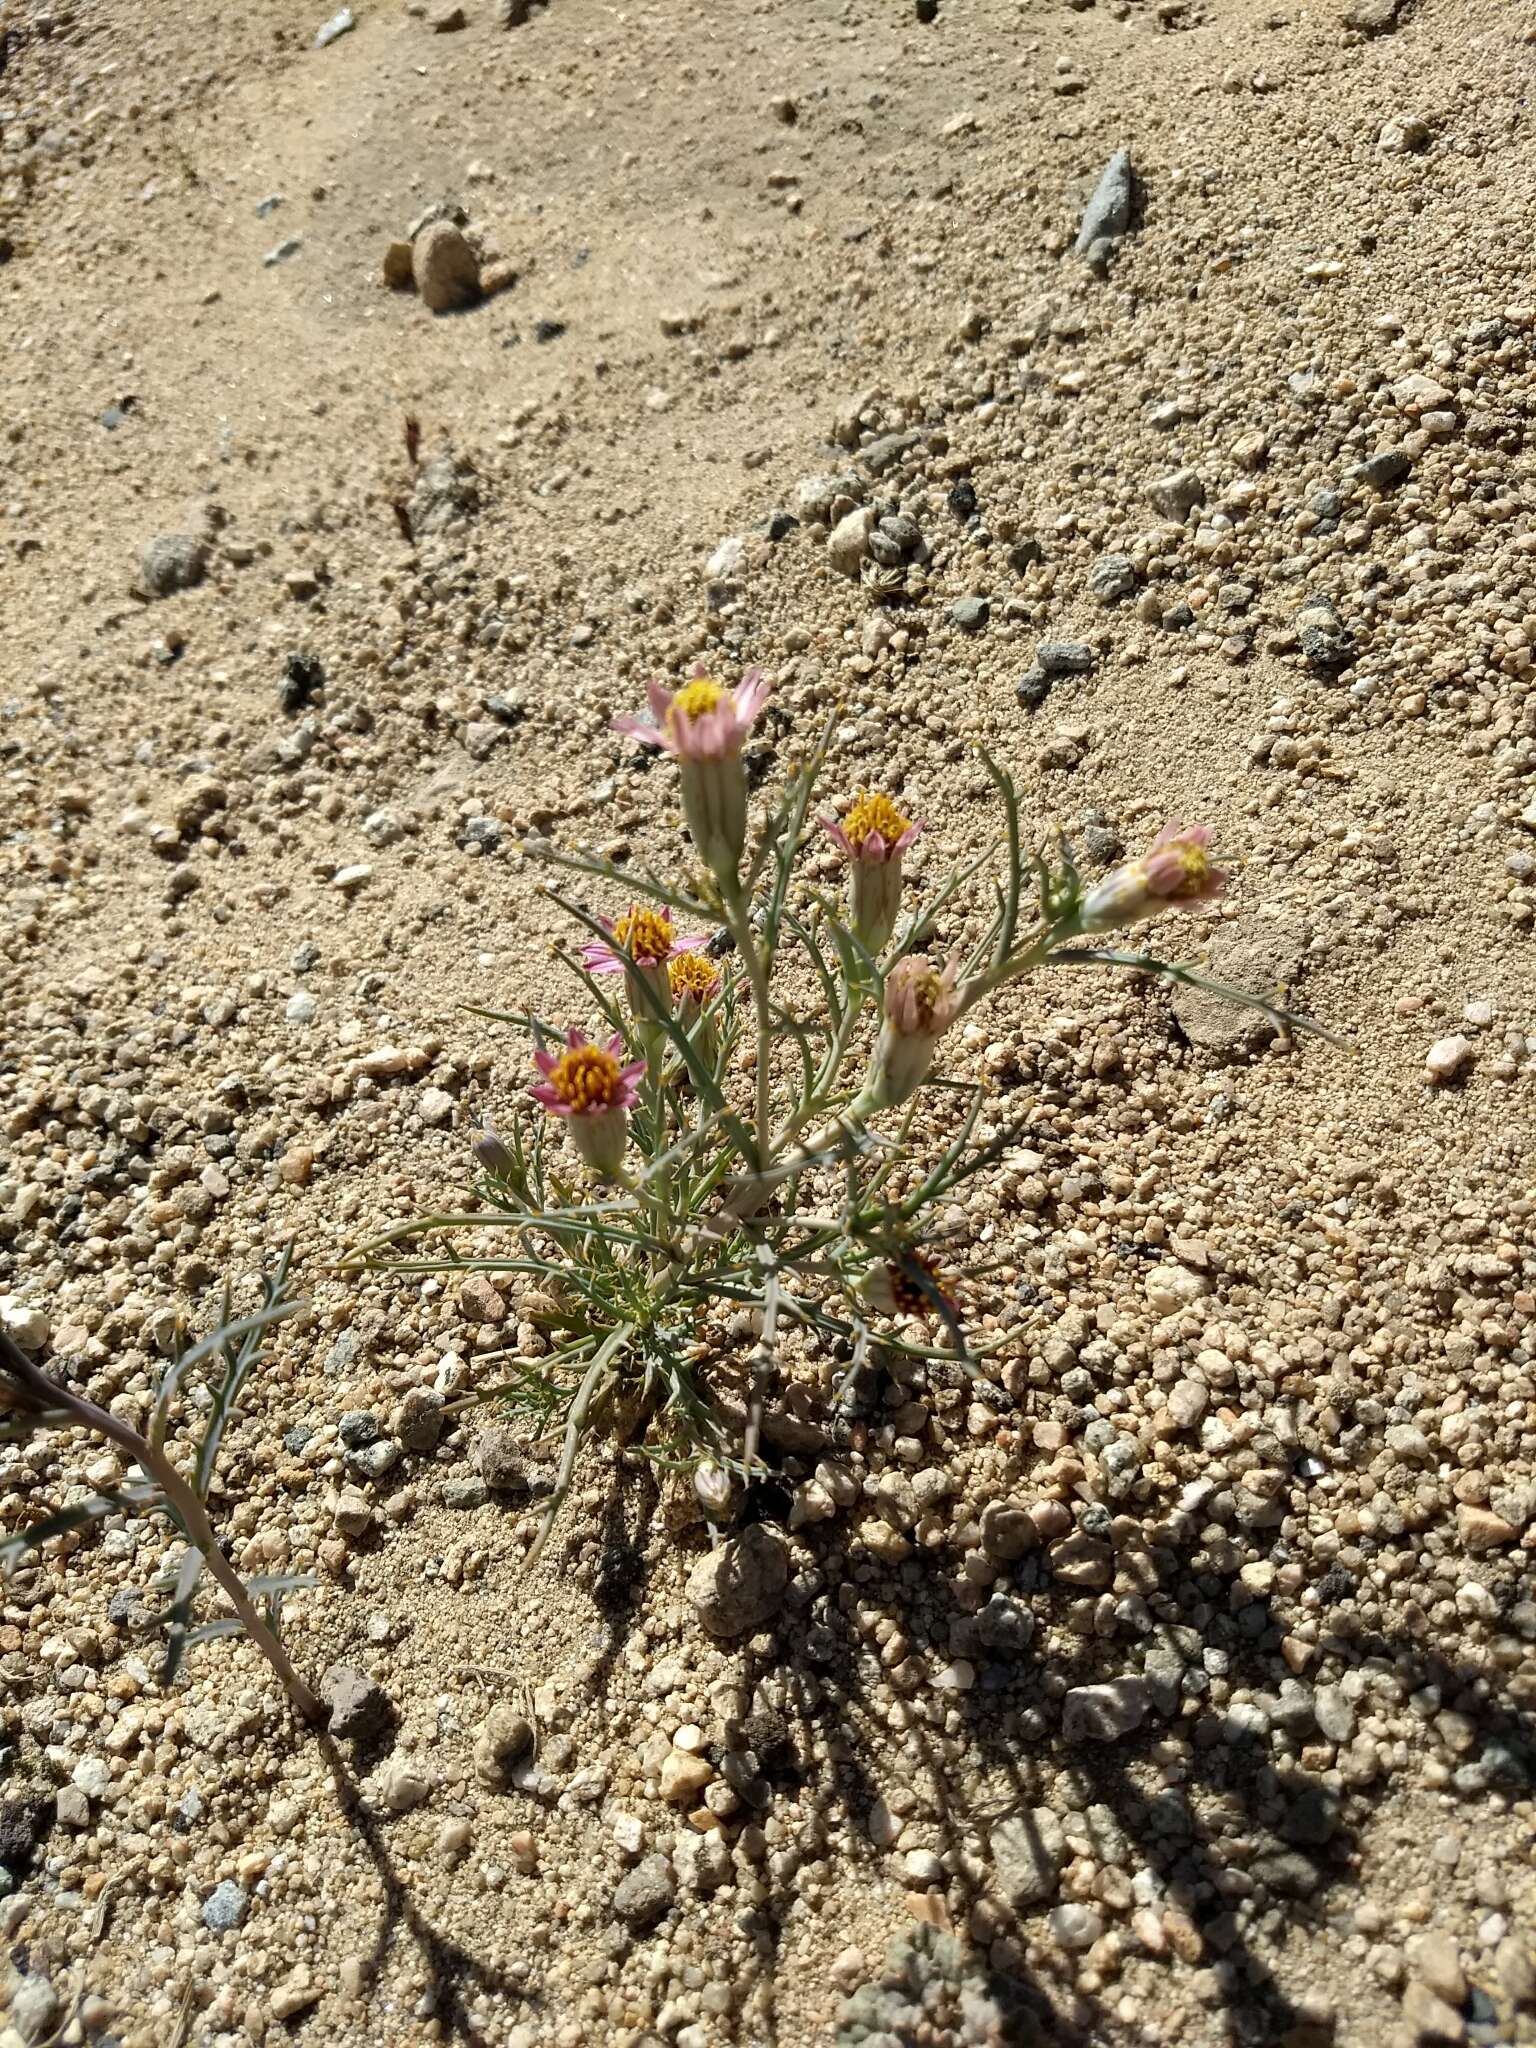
(24, 1823)
(1064, 657)
(1286, 1871)
(1384, 470)
(500, 1460)
(644, 1895)
(357, 1429)
(971, 614)
(1108, 212)
(1325, 641)
(883, 454)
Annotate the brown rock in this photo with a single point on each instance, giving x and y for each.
(1481, 1529)
(398, 274)
(444, 266)
(496, 277)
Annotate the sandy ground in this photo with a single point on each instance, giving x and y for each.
(1273, 1377)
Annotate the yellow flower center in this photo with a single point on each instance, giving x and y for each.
(927, 992)
(912, 1299)
(647, 934)
(692, 974)
(1194, 869)
(587, 1077)
(698, 697)
(874, 812)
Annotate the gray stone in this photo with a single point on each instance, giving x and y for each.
(1286, 1871)
(418, 1420)
(1311, 1813)
(971, 614)
(1324, 639)
(225, 1907)
(500, 1460)
(883, 454)
(1267, 962)
(1028, 1850)
(171, 562)
(1003, 1625)
(1384, 470)
(1372, 17)
(1111, 578)
(360, 1708)
(35, 2009)
(465, 1493)
(1334, 1714)
(357, 1429)
(1108, 212)
(1402, 135)
(23, 1824)
(1177, 494)
(445, 268)
(1103, 1713)
(1064, 657)
(374, 1460)
(739, 1585)
(645, 1894)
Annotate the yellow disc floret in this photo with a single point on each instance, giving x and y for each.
(647, 934)
(698, 697)
(874, 812)
(587, 1078)
(693, 975)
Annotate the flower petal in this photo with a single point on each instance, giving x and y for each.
(546, 1062)
(640, 729)
(752, 694)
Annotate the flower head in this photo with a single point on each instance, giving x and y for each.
(493, 1152)
(872, 829)
(920, 999)
(873, 836)
(702, 720)
(646, 935)
(591, 1087)
(913, 1285)
(1174, 873)
(921, 1002)
(586, 1079)
(703, 725)
(695, 981)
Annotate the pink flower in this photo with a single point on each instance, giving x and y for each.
(703, 726)
(591, 1086)
(873, 829)
(647, 935)
(1174, 873)
(873, 836)
(701, 721)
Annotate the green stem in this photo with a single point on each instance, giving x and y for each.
(739, 924)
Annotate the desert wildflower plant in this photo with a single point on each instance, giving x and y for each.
(730, 1166)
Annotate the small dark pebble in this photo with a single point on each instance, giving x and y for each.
(970, 614)
(1178, 618)
(962, 500)
(1024, 554)
(303, 677)
(1034, 688)
(780, 525)
(505, 710)
(548, 330)
(1064, 657)
(1384, 470)
(296, 1438)
(357, 1429)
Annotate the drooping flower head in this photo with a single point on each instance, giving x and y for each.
(591, 1086)
(1174, 873)
(921, 1002)
(872, 829)
(872, 837)
(913, 1285)
(703, 725)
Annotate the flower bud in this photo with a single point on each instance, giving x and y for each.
(493, 1153)
(715, 1489)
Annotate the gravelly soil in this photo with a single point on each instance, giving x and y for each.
(1266, 1472)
